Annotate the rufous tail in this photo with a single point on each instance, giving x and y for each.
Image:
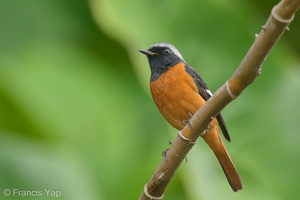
(213, 139)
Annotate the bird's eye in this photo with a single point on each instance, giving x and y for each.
(167, 51)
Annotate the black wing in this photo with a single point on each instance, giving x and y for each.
(206, 94)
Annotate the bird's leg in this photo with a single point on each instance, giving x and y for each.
(188, 121)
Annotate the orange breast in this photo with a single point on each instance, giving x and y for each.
(175, 95)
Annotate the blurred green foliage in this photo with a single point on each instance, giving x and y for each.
(76, 114)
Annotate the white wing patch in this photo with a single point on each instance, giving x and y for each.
(208, 92)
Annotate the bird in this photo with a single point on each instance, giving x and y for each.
(178, 92)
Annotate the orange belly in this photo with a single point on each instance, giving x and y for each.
(175, 95)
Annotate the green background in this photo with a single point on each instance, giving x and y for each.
(76, 114)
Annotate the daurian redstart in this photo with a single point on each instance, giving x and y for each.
(178, 92)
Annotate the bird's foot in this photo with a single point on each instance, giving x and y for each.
(188, 121)
(205, 131)
(164, 154)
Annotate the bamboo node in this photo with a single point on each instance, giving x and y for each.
(150, 196)
(279, 18)
(233, 96)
